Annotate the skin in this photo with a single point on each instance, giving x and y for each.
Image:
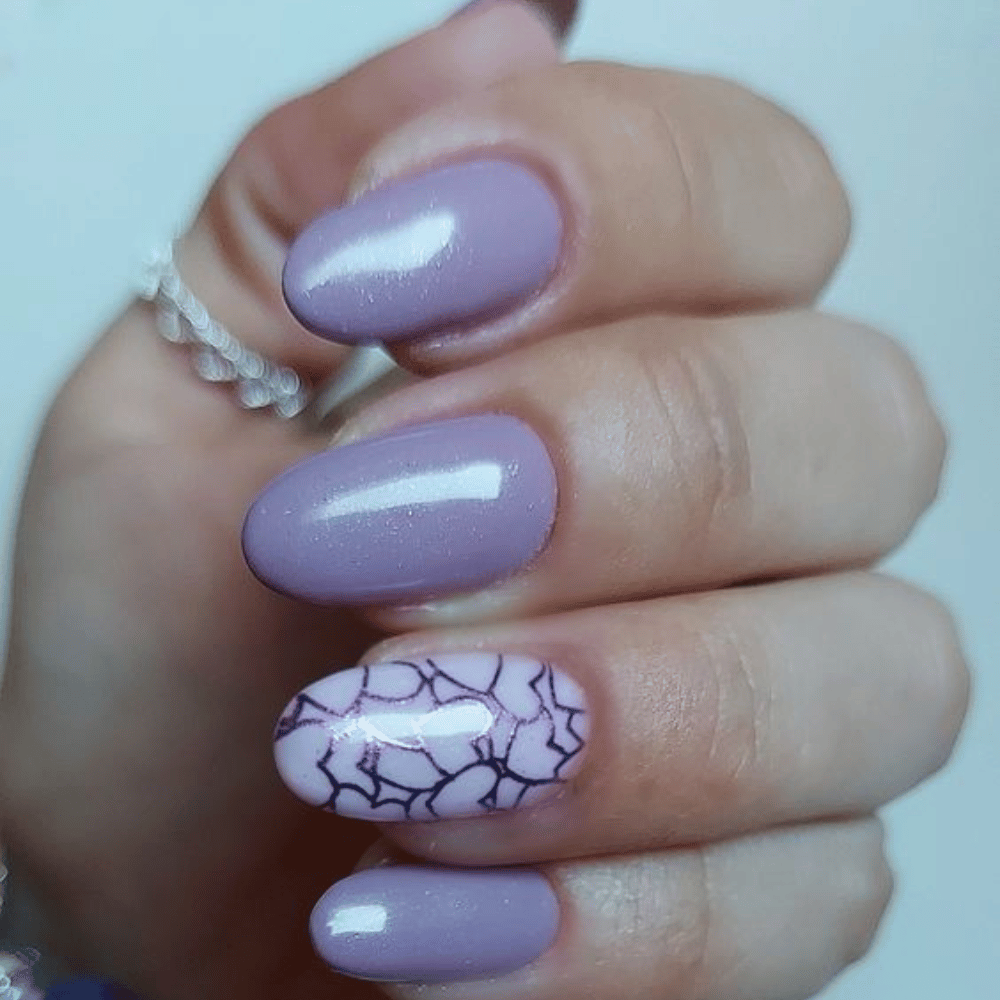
(731, 464)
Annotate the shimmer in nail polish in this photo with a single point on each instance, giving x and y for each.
(459, 734)
(431, 925)
(426, 511)
(449, 247)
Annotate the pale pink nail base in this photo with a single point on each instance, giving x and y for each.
(456, 735)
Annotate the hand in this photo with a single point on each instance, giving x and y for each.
(729, 463)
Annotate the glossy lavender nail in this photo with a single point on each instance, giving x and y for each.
(431, 925)
(428, 510)
(447, 248)
(460, 734)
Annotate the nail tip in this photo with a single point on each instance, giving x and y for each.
(317, 315)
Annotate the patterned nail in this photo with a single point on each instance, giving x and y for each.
(462, 734)
(448, 248)
(431, 925)
(429, 510)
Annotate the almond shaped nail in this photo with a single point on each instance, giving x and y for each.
(429, 510)
(448, 247)
(430, 925)
(461, 734)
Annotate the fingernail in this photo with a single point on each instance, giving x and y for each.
(460, 734)
(433, 925)
(89, 989)
(448, 248)
(428, 510)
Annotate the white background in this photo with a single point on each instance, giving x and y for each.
(115, 113)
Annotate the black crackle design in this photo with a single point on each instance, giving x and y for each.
(435, 738)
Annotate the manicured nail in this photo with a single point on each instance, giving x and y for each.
(89, 989)
(462, 734)
(425, 511)
(431, 925)
(448, 248)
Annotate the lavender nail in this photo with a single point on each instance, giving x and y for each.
(462, 734)
(429, 510)
(447, 248)
(433, 925)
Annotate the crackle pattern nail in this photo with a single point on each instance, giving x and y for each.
(454, 735)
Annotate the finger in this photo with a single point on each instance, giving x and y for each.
(137, 627)
(635, 726)
(301, 158)
(650, 456)
(559, 14)
(298, 158)
(712, 922)
(566, 196)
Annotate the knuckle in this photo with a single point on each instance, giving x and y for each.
(919, 440)
(692, 193)
(660, 116)
(709, 141)
(692, 406)
(808, 177)
(791, 162)
(941, 679)
(867, 890)
(735, 718)
(687, 963)
(664, 912)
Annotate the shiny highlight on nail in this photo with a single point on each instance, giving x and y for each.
(451, 247)
(459, 734)
(407, 923)
(426, 511)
